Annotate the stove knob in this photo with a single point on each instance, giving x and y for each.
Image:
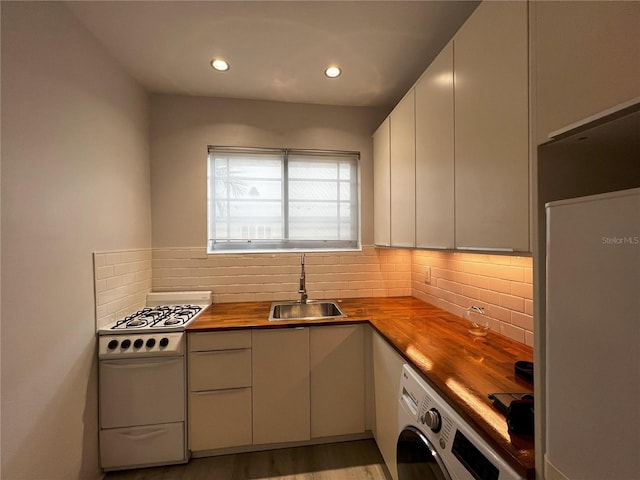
(164, 342)
(112, 344)
(151, 342)
(126, 343)
(432, 420)
(138, 343)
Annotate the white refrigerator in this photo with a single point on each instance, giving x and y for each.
(592, 385)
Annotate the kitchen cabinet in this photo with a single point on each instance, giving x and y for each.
(434, 140)
(387, 368)
(491, 129)
(402, 148)
(281, 397)
(220, 410)
(382, 185)
(337, 380)
(587, 57)
(459, 142)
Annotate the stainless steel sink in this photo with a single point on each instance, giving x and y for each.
(312, 310)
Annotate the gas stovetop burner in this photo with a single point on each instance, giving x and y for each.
(152, 318)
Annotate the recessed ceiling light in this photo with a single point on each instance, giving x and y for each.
(219, 64)
(333, 72)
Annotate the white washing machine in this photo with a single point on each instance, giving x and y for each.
(434, 443)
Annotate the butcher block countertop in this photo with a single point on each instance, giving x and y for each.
(464, 369)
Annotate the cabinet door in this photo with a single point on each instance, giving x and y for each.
(403, 169)
(281, 385)
(435, 154)
(491, 129)
(381, 186)
(337, 380)
(587, 58)
(220, 418)
(387, 368)
(219, 369)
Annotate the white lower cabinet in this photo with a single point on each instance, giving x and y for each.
(281, 385)
(223, 419)
(387, 368)
(220, 407)
(337, 380)
(269, 386)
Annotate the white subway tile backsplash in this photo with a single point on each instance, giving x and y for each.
(104, 272)
(528, 307)
(522, 320)
(275, 276)
(122, 280)
(500, 283)
(511, 302)
(522, 289)
(511, 331)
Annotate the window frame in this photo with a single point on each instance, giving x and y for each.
(218, 246)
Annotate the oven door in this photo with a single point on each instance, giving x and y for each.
(417, 458)
(142, 391)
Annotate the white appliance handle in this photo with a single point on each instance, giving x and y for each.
(138, 363)
(143, 436)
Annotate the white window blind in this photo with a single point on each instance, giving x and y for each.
(281, 199)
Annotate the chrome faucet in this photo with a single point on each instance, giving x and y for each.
(302, 289)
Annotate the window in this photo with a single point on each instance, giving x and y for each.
(282, 199)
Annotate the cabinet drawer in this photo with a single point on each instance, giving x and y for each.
(219, 369)
(219, 340)
(148, 445)
(220, 418)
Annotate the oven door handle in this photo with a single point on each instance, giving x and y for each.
(139, 363)
(145, 435)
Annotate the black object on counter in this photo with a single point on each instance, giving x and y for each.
(524, 370)
(520, 417)
(519, 410)
(502, 401)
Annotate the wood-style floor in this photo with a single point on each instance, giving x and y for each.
(357, 460)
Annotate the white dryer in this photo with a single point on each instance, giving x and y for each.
(434, 443)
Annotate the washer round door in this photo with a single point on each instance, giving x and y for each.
(417, 458)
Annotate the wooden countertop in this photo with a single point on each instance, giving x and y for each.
(464, 369)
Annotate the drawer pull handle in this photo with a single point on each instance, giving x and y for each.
(219, 352)
(220, 391)
(145, 434)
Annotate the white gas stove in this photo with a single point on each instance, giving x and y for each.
(142, 374)
(165, 312)
(145, 332)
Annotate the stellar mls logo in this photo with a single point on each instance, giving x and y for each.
(621, 240)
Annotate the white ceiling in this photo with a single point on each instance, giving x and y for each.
(277, 50)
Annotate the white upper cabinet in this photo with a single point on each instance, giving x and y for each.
(382, 185)
(435, 154)
(403, 169)
(492, 129)
(587, 57)
(458, 143)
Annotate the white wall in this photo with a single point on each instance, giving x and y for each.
(75, 179)
(183, 126)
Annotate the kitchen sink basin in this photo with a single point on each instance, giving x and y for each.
(313, 310)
